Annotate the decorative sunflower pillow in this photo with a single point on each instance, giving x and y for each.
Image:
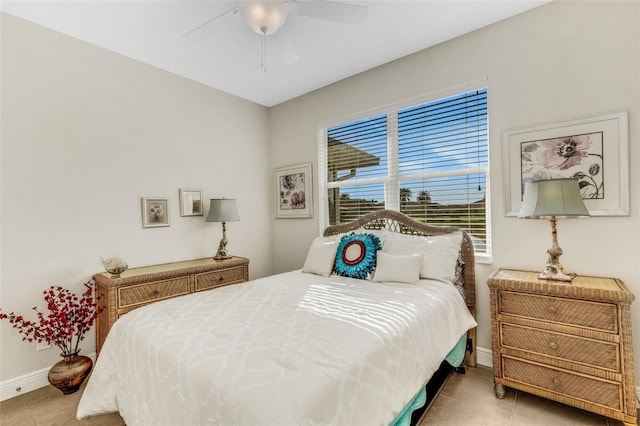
(356, 255)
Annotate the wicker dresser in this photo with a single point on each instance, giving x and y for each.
(570, 342)
(142, 286)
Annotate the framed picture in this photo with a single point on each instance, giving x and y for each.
(190, 202)
(294, 194)
(155, 212)
(593, 150)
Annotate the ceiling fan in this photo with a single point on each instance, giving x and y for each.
(265, 17)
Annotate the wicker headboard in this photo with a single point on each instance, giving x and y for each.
(397, 222)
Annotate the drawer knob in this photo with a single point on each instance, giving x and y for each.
(556, 382)
(220, 278)
(552, 309)
(553, 345)
(156, 293)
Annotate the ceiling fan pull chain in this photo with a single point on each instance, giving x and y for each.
(263, 65)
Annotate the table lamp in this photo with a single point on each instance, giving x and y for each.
(222, 210)
(552, 199)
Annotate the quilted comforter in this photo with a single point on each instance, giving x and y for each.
(288, 349)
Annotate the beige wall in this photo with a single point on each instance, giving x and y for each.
(561, 61)
(85, 134)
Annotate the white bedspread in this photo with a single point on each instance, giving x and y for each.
(289, 349)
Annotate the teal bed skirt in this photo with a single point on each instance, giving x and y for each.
(455, 358)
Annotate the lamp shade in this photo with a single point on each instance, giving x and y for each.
(544, 199)
(223, 210)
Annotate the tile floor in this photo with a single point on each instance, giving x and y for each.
(469, 400)
(49, 407)
(465, 400)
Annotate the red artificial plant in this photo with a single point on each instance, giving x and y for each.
(69, 319)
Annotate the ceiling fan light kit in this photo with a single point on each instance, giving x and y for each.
(264, 17)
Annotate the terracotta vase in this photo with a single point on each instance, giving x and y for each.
(68, 374)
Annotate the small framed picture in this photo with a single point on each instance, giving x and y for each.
(190, 202)
(293, 191)
(155, 212)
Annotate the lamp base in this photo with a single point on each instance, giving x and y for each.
(222, 251)
(554, 273)
(222, 247)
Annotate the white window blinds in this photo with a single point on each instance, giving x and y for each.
(356, 168)
(429, 161)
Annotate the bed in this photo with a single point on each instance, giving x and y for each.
(311, 346)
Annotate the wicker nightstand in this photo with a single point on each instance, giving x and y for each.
(570, 342)
(141, 286)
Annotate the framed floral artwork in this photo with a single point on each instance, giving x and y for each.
(155, 212)
(190, 202)
(592, 150)
(293, 191)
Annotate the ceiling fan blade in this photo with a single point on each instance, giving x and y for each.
(332, 11)
(283, 50)
(207, 22)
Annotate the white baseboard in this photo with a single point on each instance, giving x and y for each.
(483, 356)
(23, 384)
(27, 382)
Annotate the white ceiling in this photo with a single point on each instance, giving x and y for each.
(226, 53)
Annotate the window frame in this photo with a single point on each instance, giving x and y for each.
(392, 179)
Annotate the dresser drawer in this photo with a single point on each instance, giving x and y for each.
(212, 279)
(571, 348)
(594, 315)
(562, 382)
(142, 294)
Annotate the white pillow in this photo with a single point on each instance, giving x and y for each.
(440, 252)
(401, 269)
(321, 255)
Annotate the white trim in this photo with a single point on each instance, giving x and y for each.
(392, 185)
(23, 384)
(27, 382)
(484, 258)
(483, 356)
(323, 205)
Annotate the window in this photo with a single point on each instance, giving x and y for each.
(428, 160)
